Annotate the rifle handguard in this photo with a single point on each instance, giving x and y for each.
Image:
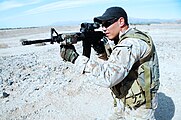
(69, 38)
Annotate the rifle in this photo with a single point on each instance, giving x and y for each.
(87, 35)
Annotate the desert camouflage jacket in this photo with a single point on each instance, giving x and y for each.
(116, 68)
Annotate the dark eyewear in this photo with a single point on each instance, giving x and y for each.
(106, 24)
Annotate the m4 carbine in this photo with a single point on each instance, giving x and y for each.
(87, 35)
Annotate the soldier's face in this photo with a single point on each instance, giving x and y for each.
(111, 30)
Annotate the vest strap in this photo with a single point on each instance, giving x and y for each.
(147, 86)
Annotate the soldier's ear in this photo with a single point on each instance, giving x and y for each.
(121, 21)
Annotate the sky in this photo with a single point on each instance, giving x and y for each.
(32, 13)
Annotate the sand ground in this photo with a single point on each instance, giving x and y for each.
(41, 85)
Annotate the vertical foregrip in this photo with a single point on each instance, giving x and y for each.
(86, 48)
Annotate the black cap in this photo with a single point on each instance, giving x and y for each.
(111, 13)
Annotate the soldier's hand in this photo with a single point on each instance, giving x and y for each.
(100, 49)
(68, 53)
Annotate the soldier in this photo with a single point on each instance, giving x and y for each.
(131, 70)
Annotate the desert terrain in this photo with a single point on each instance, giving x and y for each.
(35, 83)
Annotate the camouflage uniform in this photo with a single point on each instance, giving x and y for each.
(111, 72)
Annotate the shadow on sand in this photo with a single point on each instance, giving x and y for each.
(165, 109)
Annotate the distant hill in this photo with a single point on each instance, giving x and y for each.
(139, 21)
(178, 21)
(131, 21)
(152, 21)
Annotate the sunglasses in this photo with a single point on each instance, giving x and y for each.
(106, 24)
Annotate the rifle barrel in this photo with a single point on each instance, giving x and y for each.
(27, 42)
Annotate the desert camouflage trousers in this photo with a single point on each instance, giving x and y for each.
(121, 113)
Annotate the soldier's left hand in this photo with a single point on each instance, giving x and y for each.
(68, 53)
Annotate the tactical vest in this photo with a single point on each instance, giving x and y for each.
(142, 82)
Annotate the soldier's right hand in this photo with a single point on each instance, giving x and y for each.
(100, 49)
